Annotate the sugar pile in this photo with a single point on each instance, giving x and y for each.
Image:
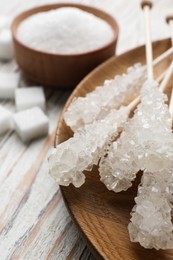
(65, 30)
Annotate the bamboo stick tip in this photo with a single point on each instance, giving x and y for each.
(169, 18)
(146, 3)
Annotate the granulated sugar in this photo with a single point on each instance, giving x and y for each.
(66, 30)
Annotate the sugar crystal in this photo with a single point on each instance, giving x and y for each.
(151, 223)
(70, 158)
(97, 104)
(143, 143)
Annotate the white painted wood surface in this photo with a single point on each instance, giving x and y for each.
(34, 222)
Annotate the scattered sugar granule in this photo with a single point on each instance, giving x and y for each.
(6, 45)
(6, 122)
(66, 30)
(31, 123)
(29, 97)
(8, 83)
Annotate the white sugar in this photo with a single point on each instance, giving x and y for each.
(6, 45)
(6, 122)
(8, 83)
(31, 123)
(29, 97)
(65, 30)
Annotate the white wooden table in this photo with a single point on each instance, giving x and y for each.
(34, 222)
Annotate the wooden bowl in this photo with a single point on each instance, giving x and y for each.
(103, 215)
(59, 70)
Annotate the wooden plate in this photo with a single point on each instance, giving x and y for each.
(101, 215)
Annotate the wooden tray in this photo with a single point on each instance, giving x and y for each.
(102, 215)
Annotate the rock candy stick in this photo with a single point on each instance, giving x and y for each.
(151, 223)
(70, 158)
(138, 141)
(97, 104)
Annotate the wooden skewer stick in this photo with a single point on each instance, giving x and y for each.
(132, 105)
(161, 77)
(171, 29)
(146, 6)
(163, 56)
(169, 20)
(171, 104)
(167, 77)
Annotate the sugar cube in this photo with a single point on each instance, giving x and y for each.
(4, 22)
(6, 45)
(8, 83)
(6, 121)
(31, 123)
(29, 97)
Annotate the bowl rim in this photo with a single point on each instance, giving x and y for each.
(27, 13)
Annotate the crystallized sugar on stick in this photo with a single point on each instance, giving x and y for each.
(97, 104)
(151, 223)
(69, 159)
(142, 144)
